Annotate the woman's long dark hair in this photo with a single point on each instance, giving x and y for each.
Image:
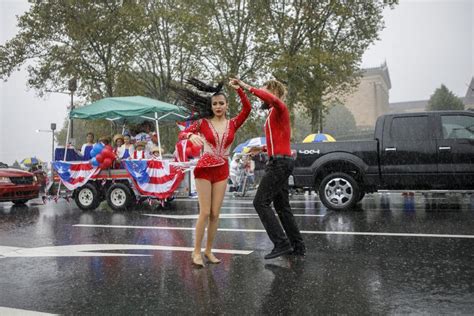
(199, 105)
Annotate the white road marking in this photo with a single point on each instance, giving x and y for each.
(246, 201)
(90, 250)
(253, 208)
(222, 216)
(20, 312)
(319, 232)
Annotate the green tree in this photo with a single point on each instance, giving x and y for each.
(319, 45)
(444, 99)
(83, 39)
(118, 48)
(303, 126)
(339, 121)
(232, 45)
(167, 49)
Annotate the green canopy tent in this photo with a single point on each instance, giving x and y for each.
(129, 110)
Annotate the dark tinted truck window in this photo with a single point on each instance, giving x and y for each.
(409, 128)
(457, 126)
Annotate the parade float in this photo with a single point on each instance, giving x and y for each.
(93, 181)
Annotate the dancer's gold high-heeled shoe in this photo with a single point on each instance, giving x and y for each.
(211, 258)
(197, 260)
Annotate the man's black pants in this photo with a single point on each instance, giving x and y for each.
(274, 188)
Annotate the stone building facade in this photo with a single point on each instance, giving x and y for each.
(371, 98)
(420, 106)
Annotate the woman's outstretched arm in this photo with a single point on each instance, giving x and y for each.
(245, 111)
(263, 95)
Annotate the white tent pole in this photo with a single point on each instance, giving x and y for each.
(158, 136)
(67, 138)
(65, 153)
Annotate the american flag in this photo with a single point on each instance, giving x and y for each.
(75, 174)
(154, 177)
(180, 154)
(183, 125)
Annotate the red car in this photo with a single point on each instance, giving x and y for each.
(17, 186)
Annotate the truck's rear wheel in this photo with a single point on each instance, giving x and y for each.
(87, 197)
(339, 191)
(119, 197)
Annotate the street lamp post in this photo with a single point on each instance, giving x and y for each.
(53, 128)
(72, 86)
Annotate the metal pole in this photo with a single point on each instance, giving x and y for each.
(65, 153)
(72, 108)
(69, 127)
(52, 146)
(158, 133)
(72, 87)
(53, 128)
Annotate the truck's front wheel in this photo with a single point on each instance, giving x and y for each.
(339, 191)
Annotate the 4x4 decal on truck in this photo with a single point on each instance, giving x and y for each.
(308, 152)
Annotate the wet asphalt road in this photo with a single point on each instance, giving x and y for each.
(407, 255)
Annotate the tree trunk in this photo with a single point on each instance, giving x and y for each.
(317, 116)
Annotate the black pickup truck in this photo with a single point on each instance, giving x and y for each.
(410, 151)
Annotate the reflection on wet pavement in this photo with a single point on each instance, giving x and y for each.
(413, 255)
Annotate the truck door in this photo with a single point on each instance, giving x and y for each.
(455, 145)
(408, 152)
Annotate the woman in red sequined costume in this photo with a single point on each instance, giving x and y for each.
(215, 132)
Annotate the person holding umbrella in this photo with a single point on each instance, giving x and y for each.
(273, 187)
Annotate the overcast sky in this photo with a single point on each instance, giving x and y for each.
(425, 43)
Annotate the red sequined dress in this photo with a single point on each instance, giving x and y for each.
(217, 146)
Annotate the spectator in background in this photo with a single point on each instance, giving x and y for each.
(126, 150)
(140, 152)
(234, 172)
(260, 161)
(249, 165)
(41, 177)
(87, 147)
(118, 142)
(105, 140)
(152, 143)
(155, 153)
(145, 132)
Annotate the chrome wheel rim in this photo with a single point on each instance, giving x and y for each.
(338, 192)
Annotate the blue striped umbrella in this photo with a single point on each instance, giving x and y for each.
(30, 161)
(319, 137)
(253, 142)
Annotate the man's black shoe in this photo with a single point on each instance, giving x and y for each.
(299, 250)
(276, 252)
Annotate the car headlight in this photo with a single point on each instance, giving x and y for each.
(5, 180)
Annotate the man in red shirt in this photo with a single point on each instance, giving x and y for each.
(274, 184)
